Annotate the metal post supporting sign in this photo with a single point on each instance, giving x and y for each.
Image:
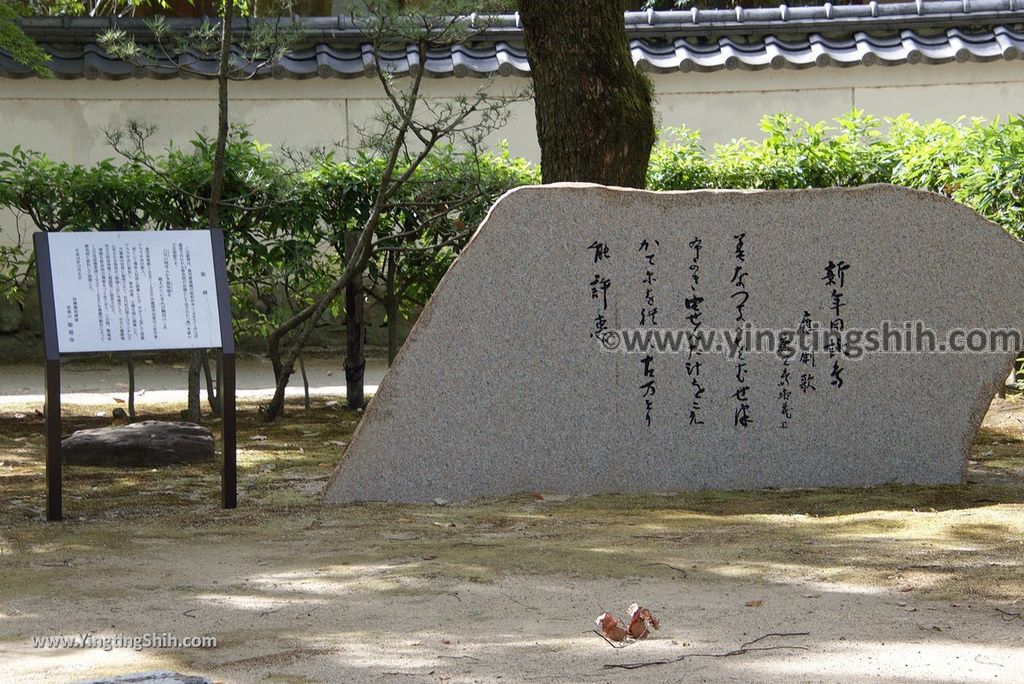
(134, 291)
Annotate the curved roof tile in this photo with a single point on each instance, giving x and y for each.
(931, 32)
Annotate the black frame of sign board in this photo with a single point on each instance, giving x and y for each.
(54, 460)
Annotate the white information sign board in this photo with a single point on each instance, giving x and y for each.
(134, 290)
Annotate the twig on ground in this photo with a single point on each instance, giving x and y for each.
(664, 537)
(980, 660)
(1009, 615)
(667, 565)
(774, 634)
(519, 603)
(476, 544)
(742, 650)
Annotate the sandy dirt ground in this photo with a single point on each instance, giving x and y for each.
(892, 584)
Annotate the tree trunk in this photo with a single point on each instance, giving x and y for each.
(355, 259)
(217, 182)
(355, 362)
(595, 121)
(212, 389)
(391, 306)
(194, 413)
(305, 384)
(131, 386)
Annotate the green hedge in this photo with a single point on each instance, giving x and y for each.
(285, 221)
(974, 162)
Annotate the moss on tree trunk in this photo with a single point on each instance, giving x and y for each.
(595, 121)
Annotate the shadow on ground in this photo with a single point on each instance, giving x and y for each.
(910, 580)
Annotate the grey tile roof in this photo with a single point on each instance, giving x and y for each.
(930, 32)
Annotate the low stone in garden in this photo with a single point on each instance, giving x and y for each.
(156, 677)
(517, 377)
(149, 443)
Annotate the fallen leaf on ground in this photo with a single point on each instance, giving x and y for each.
(610, 627)
(641, 622)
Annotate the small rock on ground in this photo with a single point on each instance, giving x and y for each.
(155, 677)
(150, 443)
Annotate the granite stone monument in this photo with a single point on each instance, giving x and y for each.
(593, 339)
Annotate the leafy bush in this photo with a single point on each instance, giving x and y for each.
(679, 163)
(286, 221)
(973, 162)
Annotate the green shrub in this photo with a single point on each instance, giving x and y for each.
(679, 163)
(973, 162)
(285, 222)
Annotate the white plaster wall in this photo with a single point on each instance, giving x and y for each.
(729, 104)
(67, 119)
